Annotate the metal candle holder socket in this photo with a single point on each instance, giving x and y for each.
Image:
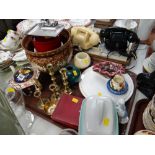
(65, 81)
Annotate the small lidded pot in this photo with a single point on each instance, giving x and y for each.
(82, 60)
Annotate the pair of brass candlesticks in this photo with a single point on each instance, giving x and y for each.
(48, 105)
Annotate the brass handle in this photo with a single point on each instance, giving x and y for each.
(37, 94)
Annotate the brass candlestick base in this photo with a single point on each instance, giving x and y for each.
(66, 88)
(50, 106)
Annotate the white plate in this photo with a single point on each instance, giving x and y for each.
(80, 22)
(4, 56)
(92, 83)
(20, 56)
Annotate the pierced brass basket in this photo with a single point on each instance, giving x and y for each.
(58, 57)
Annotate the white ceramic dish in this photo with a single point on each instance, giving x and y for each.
(80, 22)
(126, 23)
(10, 49)
(4, 56)
(93, 83)
(20, 56)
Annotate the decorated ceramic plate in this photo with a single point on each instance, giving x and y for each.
(24, 78)
(25, 25)
(93, 83)
(80, 22)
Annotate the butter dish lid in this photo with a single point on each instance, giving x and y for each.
(98, 116)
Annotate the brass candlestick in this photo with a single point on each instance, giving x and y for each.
(55, 92)
(65, 81)
(53, 87)
(37, 93)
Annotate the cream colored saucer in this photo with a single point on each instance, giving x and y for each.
(147, 66)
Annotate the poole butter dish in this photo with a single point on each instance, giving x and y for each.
(98, 116)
